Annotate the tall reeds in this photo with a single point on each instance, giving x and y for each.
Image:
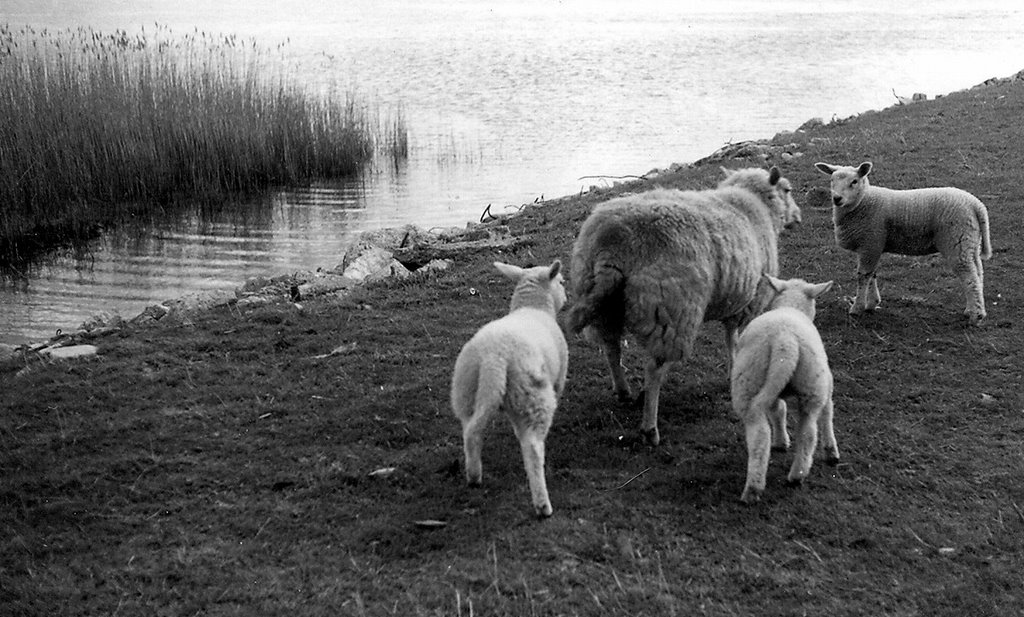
(94, 126)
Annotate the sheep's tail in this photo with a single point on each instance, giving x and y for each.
(478, 388)
(986, 242)
(605, 287)
(779, 371)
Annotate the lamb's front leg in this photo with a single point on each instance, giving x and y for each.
(868, 298)
(654, 376)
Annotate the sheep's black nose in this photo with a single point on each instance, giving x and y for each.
(837, 200)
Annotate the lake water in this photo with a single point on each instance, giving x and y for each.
(508, 101)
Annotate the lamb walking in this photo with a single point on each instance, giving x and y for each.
(659, 263)
(871, 220)
(518, 364)
(780, 355)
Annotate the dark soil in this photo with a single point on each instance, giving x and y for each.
(220, 468)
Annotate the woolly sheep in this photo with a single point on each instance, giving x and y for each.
(871, 220)
(780, 355)
(657, 264)
(516, 363)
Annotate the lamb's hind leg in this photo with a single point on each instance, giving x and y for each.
(971, 273)
(806, 439)
(758, 434)
(532, 430)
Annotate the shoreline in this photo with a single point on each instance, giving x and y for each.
(784, 146)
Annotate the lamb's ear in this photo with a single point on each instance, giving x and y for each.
(774, 175)
(864, 169)
(776, 284)
(825, 168)
(555, 268)
(512, 272)
(816, 290)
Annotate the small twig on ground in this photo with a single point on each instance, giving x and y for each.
(631, 479)
(1017, 508)
(809, 550)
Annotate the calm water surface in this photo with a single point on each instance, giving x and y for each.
(507, 102)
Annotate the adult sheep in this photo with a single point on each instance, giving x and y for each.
(871, 220)
(658, 264)
(517, 364)
(780, 355)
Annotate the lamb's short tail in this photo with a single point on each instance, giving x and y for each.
(602, 296)
(986, 242)
(479, 388)
(781, 367)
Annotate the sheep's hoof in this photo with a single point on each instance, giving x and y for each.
(624, 396)
(780, 448)
(750, 495)
(794, 482)
(974, 319)
(651, 436)
(832, 460)
(543, 511)
(474, 482)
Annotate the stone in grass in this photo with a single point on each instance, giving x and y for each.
(69, 352)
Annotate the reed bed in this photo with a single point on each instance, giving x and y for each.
(95, 127)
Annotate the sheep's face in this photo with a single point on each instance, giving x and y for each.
(790, 211)
(848, 183)
(556, 286)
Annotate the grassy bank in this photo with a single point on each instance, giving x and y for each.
(223, 468)
(94, 127)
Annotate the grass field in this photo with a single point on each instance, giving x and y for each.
(99, 127)
(221, 468)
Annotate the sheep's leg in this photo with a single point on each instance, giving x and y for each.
(731, 341)
(868, 297)
(758, 435)
(777, 418)
(971, 274)
(806, 440)
(654, 376)
(472, 443)
(532, 431)
(831, 446)
(611, 343)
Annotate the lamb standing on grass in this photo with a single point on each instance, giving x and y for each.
(780, 355)
(872, 220)
(658, 264)
(518, 364)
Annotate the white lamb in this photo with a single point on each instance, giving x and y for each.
(518, 364)
(871, 220)
(659, 263)
(780, 355)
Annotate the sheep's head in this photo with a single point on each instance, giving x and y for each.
(848, 183)
(774, 190)
(796, 293)
(537, 286)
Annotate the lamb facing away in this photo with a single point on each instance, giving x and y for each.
(780, 355)
(871, 220)
(659, 263)
(518, 364)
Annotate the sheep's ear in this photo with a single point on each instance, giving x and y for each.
(512, 272)
(774, 175)
(864, 169)
(776, 284)
(816, 290)
(555, 268)
(825, 168)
